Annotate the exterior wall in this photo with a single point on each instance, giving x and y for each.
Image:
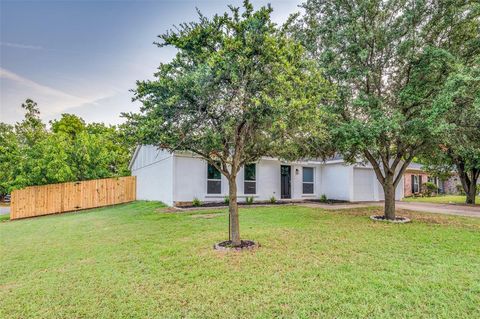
(408, 181)
(190, 180)
(450, 185)
(365, 185)
(337, 181)
(154, 171)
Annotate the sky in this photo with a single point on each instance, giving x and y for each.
(83, 57)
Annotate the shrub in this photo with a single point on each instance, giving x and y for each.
(429, 189)
(196, 202)
(323, 198)
(249, 200)
(460, 189)
(273, 200)
(226, 200)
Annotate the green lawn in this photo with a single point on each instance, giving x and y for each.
(441, 199)
(139, 261)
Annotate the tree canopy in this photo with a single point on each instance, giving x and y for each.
(390, 61)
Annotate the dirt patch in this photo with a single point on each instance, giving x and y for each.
(168, 210)
(428, 218)
(207, 216)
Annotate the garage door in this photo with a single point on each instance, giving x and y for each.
(363, 180)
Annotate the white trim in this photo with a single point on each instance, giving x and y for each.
(134, 157)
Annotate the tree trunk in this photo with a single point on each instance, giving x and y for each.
(389, 190)
(472, 192)
(469, 183)
(233, 212)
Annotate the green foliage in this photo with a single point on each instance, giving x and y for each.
(196, 202)
(9, 156)
(460, 148)
(429, 189)
(323, 198)
(236, 88)
(226, 200)
(72, 150)
(273, 200)
(69, 124)
(249, 200)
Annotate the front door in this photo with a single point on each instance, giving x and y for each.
(285, 181)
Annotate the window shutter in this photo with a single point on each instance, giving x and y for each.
(413, 183)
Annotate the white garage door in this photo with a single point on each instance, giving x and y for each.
(363, 180)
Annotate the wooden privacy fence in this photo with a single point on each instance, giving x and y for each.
(57, 198)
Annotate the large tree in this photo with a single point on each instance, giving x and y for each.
(460, 146)
(235, 89)
(389, 60)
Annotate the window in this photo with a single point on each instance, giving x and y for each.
(214, 180)
(415, 184)
(307, 180)
(250, 180)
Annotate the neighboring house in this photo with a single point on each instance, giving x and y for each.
(179, 177)
(415, 176)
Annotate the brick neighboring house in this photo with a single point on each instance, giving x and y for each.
(415, 176)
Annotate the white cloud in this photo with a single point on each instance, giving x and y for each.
(21, 46)
(15, 89)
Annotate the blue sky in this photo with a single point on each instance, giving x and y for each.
(83, 57)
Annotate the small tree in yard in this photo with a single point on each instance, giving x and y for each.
(389, 60)
(235, 89)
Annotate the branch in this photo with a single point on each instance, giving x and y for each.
(376, 168)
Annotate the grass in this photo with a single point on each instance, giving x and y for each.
(440, 199)
(141, 261)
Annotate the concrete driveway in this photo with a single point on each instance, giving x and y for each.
(4, 210)
(448, 209)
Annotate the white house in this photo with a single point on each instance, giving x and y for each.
(181, 176)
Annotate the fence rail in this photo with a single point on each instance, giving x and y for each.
(58, 198)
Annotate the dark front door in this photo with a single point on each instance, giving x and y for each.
(285, 173)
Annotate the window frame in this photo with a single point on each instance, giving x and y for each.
(251, 181)
(312, 182)
(214, 180)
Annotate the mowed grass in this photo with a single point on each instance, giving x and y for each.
(141, 261)
(440, 199)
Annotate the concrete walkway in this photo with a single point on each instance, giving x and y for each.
(448, 209)
(4, 210)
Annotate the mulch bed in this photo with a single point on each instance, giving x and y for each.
(397, 220)
(328, 201)
(244, 245)
(222, 204)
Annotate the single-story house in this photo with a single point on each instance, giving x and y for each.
(415, 176)
(179, 177)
